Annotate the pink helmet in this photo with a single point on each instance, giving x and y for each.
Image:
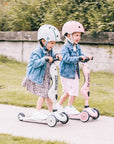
(71, 27)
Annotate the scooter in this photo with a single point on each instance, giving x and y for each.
(87, 111)
(56, 115)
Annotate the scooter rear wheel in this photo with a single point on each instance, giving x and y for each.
(84, 116)
(21, 116)
(66, 117)
(97, 114)
(51, 121)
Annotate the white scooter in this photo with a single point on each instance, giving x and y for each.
(56, 115)
(87, 111)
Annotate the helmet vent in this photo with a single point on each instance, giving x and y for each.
(48, 38)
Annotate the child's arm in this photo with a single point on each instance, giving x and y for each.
(37, 60)
(67, 58)
(81, 55)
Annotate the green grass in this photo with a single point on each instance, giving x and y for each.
(11, 91)
(8, 139)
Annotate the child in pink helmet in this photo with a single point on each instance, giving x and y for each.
(69, 65)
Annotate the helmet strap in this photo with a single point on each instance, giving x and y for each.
(46, 46)
(71, 41)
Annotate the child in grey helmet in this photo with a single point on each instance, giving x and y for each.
(37, 79)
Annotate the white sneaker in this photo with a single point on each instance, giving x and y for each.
(39, 115)
(59, 107)
(71, 110)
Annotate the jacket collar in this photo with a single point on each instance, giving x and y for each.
(43, 50)
(72, 46)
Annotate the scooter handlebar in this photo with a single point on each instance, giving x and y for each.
(55, 59)
(86, 59)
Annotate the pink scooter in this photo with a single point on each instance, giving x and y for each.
(87, 111)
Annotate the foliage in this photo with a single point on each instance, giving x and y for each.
(95, 15)
(22, 15)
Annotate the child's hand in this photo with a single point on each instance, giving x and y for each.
(83, 58)
(59, 56)
(90, 57)
(48, 59)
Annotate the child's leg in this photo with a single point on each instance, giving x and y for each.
(63, 98)
(40, 103)
(49, 104)
(71, 100)
(39, 114)
(70, 109)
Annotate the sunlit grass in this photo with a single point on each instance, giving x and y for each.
(8, 139)
(11, 91)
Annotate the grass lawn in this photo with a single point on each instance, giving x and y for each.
(8, 139)
(11, 91)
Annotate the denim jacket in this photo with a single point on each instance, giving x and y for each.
(37, 65)
(70, 61)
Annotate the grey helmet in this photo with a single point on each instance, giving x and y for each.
(49, 33)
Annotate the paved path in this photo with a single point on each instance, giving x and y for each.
(99, 131)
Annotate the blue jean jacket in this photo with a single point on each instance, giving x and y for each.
(70, 61)
(37, 65)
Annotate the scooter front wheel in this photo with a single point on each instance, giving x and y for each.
(51, 121)
(65, 117)
(21, 116)
(84, 116)
(97, 114)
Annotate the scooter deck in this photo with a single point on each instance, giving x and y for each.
(74, 117)
(31, 120)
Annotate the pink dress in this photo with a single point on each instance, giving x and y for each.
(71, 86)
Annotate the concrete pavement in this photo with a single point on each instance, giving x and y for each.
(99, 131)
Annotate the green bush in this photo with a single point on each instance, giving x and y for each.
(22, 15)
(95, 15)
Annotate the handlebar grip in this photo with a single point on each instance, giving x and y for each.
(80, 58)
(56, 59)
(47, 59)
(86, 59)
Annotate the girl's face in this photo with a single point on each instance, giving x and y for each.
(50, 45)
(76, 37)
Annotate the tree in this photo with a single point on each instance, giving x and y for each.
(95, 15)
